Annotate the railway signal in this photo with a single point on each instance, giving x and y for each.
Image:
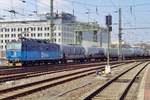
(109, 22)
(109, 28)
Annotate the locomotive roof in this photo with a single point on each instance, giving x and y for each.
(35, 40)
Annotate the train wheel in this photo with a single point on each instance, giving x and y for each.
(23, 64)
(82, 61)
(14, 64)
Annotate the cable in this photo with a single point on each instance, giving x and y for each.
(114, 4)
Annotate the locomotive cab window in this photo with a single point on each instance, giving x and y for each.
(14, 45)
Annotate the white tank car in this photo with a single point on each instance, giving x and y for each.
(113, 52)
(94, 52)
(72, 51)
(146, 53)
(128, 52)
(138, 52)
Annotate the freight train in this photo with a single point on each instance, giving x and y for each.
(33, 51)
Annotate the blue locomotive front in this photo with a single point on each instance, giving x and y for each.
(32, 51)
(13, 52)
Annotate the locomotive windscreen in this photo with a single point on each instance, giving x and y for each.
(14, 45)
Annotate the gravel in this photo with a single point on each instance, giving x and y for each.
(72, 90)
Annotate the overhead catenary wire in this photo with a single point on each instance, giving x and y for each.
(102, 5)
(94, 6)
(43, 5)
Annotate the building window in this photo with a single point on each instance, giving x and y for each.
(20, 29)
(25, 29)
(54, 40)
(27, 35)
(8, 29)
(45, 28)
(48, 28)
(38, 28)
(38, 34)
(2, 35)
(48, 34)
(95, 36)
(5, 30)
(31, 29)
(59, 40)
(31, 34)
(19, 35)
(34, 29)
(59, 34)
(14, 29)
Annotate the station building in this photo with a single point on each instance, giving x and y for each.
(67, 30)
(91, 34)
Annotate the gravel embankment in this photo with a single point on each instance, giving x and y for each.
(72, 90)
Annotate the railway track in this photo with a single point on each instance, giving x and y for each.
(26, 89)
(117, 87)
(43, 68)
(8, 71)
(12, 77)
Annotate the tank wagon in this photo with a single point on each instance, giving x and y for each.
(146, 53)
(128, 53)
(71, 52)
(138, 52)
(113, 53)
(94, 53)
(33, 51)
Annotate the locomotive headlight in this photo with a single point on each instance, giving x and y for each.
(14, 54)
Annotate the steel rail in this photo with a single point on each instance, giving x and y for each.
(101, 88)
(125, 92)
(27, 92)
(39, 73)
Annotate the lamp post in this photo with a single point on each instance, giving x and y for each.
(51, 20)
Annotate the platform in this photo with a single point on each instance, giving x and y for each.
(147, 86)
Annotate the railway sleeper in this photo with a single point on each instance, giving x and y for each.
(123, 80)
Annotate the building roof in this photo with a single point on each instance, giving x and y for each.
(41, 18)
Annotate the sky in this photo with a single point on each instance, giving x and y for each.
(135, 13)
